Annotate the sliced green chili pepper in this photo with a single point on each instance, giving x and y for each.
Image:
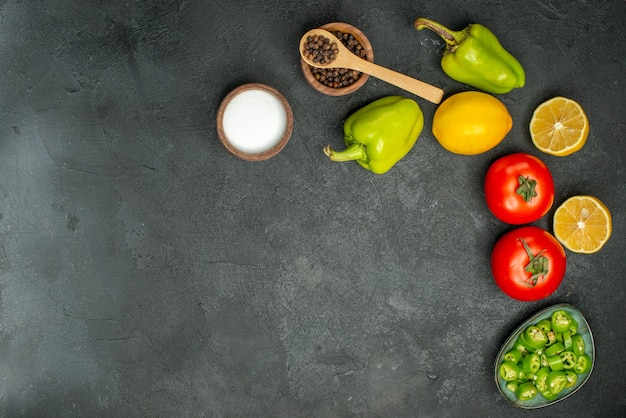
(540, 381)
(514, 355)
(555, 362)
(551, 338)
(380, 134)
(526, 391)
(583, 364)
(561, 321)
(567, 339)
(573, 326)
(572, 378)
(545, 325)
(531, 363)
(549, 395)
(513, 384)
(474, 56)
(568, 358)
(510, 371)
(556, 381)
(522, 345)
(578, 345)
(555, 348)
(535, 337)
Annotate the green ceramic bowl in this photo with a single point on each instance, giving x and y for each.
(539, 401)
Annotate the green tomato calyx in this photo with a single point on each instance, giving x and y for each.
(526, 188)
(537, 266)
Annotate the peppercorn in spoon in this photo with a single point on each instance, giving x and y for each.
(330, 52)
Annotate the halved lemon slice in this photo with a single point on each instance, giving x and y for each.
(582, 224)
(559, 126)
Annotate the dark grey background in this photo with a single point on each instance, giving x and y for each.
(144, 271)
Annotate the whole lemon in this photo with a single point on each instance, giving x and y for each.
(471, 123)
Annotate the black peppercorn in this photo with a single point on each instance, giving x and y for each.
(320, 50)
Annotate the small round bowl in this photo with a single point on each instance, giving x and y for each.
(254, 122)
(369, 55)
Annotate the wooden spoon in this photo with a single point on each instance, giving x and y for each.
(346, 59)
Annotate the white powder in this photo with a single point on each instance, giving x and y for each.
(254, 121)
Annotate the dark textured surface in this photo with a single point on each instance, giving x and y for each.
(144, 271)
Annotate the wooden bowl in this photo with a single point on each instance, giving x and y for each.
(254, 122)
(341, 91)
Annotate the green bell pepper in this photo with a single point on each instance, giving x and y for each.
(380, 134)
(474, 56)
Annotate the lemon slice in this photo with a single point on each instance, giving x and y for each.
(559, 126)
(582, 224)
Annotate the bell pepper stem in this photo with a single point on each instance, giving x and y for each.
(353, 152)
(452, 38)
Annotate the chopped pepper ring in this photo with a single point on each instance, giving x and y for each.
(568, 358)
(535, 336)
(583, 364)
(578, 345)
(510, 371)
(561, 321)
(555, 348)
(556, 381)
(567, 339)
(532, 363)
(545, 324)
(514, 355)
(572, 378)
(526, 391)
(555, 362)
(540, 381)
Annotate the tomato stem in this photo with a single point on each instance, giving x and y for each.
(526, 188)
(537, 266)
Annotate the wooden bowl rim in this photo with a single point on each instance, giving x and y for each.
(369, 55)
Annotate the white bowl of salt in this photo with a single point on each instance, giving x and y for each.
(254, 122)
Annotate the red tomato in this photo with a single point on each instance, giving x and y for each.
(528, 263)
(519, 189)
